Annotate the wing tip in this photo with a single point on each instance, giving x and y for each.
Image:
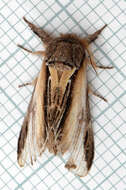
(20, 162)
(72, 167)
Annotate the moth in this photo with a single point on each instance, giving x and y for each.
(58, 116)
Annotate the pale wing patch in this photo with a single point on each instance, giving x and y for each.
(26, 139)
(77, 153)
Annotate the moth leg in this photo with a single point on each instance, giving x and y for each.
(32, 83)
(104, 67)
(32, 52)
(43, 35)
(91, 59)
(91, 37)
(93, 63)
(90, 91)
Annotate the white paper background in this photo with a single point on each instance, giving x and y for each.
(109, 119)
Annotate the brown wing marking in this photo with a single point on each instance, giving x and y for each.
(88, 137)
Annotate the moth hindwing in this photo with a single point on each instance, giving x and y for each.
(58, 116)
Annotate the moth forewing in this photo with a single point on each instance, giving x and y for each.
(76, 105)
(32, 135)
(75, 126)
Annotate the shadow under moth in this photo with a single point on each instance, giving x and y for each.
(58, 116)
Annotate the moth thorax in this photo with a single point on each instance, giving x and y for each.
(60, 66)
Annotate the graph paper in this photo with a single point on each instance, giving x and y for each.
(83, 17)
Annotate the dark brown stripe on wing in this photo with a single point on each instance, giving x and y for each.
(46, 98)
(89, 137)
(68, 102)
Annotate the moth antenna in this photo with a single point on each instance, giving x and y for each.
(42, 34)
(92, 37)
